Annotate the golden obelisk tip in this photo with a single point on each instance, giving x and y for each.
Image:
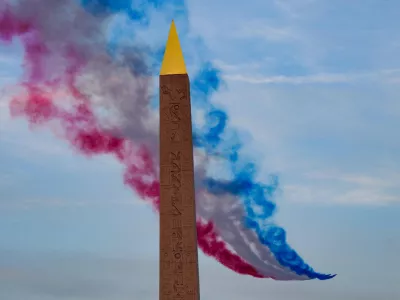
(173, 62)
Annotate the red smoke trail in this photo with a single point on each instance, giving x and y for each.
(81, 128)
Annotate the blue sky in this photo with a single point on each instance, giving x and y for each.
(314, 82)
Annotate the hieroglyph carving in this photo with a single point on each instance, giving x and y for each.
(178, 240)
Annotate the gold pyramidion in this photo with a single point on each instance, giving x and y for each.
(173, 61)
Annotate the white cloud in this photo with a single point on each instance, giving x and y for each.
(330, 187)
(388, 76)
(330, 196)
(321, 127)
(225, 67)
(367, 196)
(358, 179)
(258, 29)
(282, 79)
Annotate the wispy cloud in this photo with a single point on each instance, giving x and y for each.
(385, 76)
(358, 179)
(328, 195)
(330, 187)
(226, 67)
(282, 79)
(367, 196)
(273, 33)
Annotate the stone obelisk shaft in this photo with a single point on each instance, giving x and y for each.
(179, 275)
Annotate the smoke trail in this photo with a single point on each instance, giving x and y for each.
(256, 196)
(227, 214)
(109, 112)
(80, 124)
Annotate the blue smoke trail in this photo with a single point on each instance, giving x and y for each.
(212, 138)
(256, 196)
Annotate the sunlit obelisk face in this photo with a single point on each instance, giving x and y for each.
(179, 275)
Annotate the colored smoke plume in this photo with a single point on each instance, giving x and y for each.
(98, 90)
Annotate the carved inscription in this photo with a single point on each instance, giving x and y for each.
(178, 238)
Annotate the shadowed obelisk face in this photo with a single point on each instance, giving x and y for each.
(179, 275)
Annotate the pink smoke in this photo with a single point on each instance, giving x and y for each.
(82, 130)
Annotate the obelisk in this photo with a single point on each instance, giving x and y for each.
(179, 269)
